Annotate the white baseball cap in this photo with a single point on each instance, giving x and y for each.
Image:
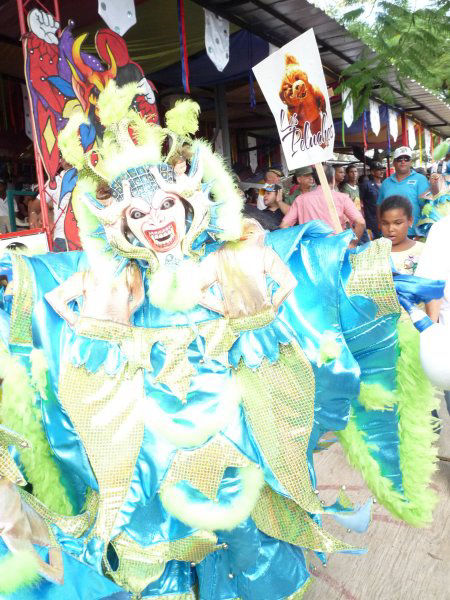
(403, 151)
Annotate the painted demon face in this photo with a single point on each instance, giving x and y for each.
(161, 226)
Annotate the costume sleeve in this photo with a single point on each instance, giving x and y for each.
(350, 210)
(291, 218)
(389, 437)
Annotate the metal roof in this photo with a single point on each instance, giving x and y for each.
(280, 21)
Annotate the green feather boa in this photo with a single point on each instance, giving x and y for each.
(415, 400)
(18, 570)
(19, 412)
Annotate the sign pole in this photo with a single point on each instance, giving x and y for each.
(328, 197)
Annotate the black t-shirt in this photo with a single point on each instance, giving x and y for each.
(268, 219)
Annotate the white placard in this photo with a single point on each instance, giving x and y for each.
(427, 140)
(347, 100)
(119, 15)
(393, 124)
(411, 135)
(253, 154)
(217, 39)
(294, 86)
(374, 109)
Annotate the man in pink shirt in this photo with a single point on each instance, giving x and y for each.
(313, 205)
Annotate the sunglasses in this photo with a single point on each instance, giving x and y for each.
(403, 159)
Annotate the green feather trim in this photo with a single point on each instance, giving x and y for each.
(376, 397)
(19, 413)
(224, 191)
(417, 450)
(69, 141)
(18, 570)
(182, 119)
(39, 369)
(114, 102)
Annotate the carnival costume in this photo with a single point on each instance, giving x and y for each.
(164, 391)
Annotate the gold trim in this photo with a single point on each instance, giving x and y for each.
(74, 526)
(203, 467)
(278, 399)
(255, 321)
(284, 520)
(106, 413)
(371, 276)
(22, 306)
(141, 565)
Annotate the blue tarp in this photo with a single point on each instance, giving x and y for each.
(246, 51)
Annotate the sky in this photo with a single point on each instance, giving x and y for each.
(325, 4)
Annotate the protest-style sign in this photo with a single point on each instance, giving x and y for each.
(294, 87)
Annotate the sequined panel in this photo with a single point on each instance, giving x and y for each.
(279, 404)
(219, 337)
(299, 594)
(76, 525)
(203, 467)
(20, 325)
(255, 321)
(372, 276)
(142, 181)
(137, 342)
(283, 519)
(140, 565)
(187, 596)
(105, 412)
(8, 467)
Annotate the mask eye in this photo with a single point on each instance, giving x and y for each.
(136, 214)
(168, 203)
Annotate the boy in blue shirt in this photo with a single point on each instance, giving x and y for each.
(405, 182)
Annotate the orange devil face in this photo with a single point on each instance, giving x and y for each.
(295, 86)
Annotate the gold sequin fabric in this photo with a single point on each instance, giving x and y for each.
(140, 565)
(186, 596)
(76, 525)
(219, 337)
(203, 467)
(371, 276)
(137, 342)
(284, 520)
(22, 306)
(255, 321)
(8, 467)
(279, 405)
(106, 414)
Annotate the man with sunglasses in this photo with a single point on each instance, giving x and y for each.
(405, 182)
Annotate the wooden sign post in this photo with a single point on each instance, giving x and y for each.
(328, 197)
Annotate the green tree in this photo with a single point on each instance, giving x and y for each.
(416, 42)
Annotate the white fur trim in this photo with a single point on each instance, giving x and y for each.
(176, 289)
(211, 515)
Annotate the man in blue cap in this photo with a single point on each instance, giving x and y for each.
(405, 182)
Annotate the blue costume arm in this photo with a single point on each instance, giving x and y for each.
(395, 399)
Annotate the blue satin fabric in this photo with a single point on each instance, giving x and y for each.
(413, 290)
(80, 582)
(279, 571)
(315, 307)
(374, 344)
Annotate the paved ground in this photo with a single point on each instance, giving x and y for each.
(402, 563)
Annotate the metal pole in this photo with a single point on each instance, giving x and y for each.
(222, 120)
(37, 157)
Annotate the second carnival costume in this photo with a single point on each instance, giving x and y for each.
(165, 390)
